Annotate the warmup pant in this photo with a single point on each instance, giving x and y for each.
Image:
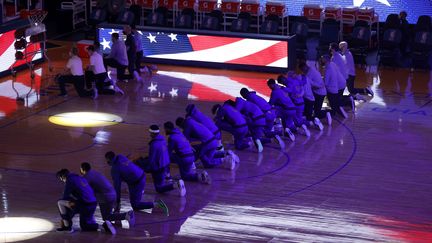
(334, 103)
(206, 152)
(186, 165)
(343, 100)
(238, 131)
(131, 67)
(139, 56)
(77, 81)
(136, 191)
(308, 109)
(299, 120)
(120, 67)
(159, 181)
(351, 88)
(318, 112)
(99, 80)
(256, 127)
(107, 206)
(85, 210)
(287, 116)
(270, 117)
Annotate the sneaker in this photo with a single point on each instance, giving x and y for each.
(352, 103)
(329, 118)
(306, 130)
(109, 228)
(278, 140)
(130, 217)
(181, 188)
(204, 177)
(234, 156)
(229, 162)
(118, 90)
(258, 145)
(65, 229)
(161, 205)
(369, 91)
(343, 113)
(359, 97)
(290, 134)
(318, 123)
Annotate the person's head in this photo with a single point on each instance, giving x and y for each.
(334, 47)
(62, 174)
(73, 51)
(343, 46)
(85, 167)
(324, 60)
(403, 15)
(109, 157)
(169, 127)
(215, 108)
(190, 108)
(271, 83)
(304, 68)
(281, 79)
(244, 92)
(114, 37)
(154, 130)
(230, 102)
(127, 30)
(90, 50)
(180, 122)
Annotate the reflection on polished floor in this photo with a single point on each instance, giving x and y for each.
(364, 179)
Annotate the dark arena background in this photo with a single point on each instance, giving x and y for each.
(323, 146)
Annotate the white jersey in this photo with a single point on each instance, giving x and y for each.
(340, 63)
(316, 81)
(332, 78)
(96, 60)
(75, 66)
(349, 63)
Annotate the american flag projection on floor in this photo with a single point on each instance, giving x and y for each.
(206, 48)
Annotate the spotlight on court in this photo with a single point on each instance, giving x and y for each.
(85, 119)
(13, 229)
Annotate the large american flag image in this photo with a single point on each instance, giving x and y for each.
(207, 48)
(7, 52)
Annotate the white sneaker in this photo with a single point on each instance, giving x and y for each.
(277, 139)
(359, 97)
(318, 123)
(130, 217)
(181, 188)
(258, 145)
(352, 104)
(344, 114)
(369, 91)
(229, 162)
(204, 177)
(234, 156)
(290, 134)
(306, 130)
(329, 118)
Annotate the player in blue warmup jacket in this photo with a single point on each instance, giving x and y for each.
(181, 152)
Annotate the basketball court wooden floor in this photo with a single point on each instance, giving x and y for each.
(364, 179)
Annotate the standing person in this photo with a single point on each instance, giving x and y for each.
(124, 170)
(139, 48)
(265, 107)
(181, 152)
(131, 47)
(96, 73)
(74, 74)
(157, 163)
(197, 115)
(285, 108)
(206, 150)
(105, 195)
(118, 57)
(318, 89)
(78, 197)
(331, 80)
(350, 66)
(229, 119)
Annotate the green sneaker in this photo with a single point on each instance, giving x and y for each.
(160, 204)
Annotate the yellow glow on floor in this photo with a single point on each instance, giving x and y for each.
(85, 119)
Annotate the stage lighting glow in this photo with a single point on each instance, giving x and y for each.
(85, 119)
(14, 229)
